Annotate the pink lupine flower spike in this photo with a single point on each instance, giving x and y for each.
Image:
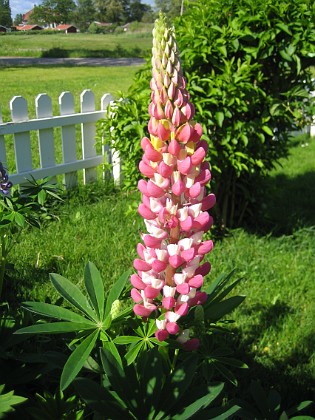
(175, 203)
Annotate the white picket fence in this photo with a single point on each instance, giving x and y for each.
(44, 124)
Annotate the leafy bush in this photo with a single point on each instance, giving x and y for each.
(247, 68)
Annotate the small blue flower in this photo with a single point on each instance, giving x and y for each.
(5, 184)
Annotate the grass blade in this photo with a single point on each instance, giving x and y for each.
(95, 288)
(77, 359)
(72, 294)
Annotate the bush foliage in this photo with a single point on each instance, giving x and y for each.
(247, 68)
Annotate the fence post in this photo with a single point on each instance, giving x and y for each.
(68, 138)
(112, 156)
(22, 141)
(46, 142)
(3, 154)
(88, 132)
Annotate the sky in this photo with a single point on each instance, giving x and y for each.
(23, 6)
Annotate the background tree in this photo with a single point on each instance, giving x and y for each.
(18, 19)
(171, 8)
(137, 10)
(84, 14)
(53, 12)
(5, 13)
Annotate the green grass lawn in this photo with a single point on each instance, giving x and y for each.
(274, 328)
(75, 45)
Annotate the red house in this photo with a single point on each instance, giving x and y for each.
(67, 29)
(29, 28)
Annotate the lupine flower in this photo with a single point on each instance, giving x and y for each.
(5, 184)
(175, 203)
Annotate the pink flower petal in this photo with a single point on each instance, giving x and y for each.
(174, 148)
(204, 269)
(145, 212)
(198, 156)
(142, 186)
(161, 335)
(137, 282)
(205, 247)
(176, 261)
(188, 254)
(172, 328)
(195, 190)
(192, 344)
(141, 265)
(168, 302)
(196, 281)
(136, 296)
(154, 190)
(164, 169)
(151, 293)
(159, 266)
(183, 288)
(152, 154)
(151, 241)
(178, 187)
(183, 133)
(187, 224)
(208, 202)
(184, 166)
(141, 310)
(182, 309)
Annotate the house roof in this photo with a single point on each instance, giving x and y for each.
(27, 27)
(26, 15)
(64, 27)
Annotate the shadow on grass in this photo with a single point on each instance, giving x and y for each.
(289, 376)
(118, 52)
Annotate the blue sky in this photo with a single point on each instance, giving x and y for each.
(23, 6)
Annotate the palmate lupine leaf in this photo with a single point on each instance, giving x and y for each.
(215, 311)
(201, 403)
(55, 328)
(54, 311)
(95, 288)
(100, 399)
(72, 294)
(77, 359)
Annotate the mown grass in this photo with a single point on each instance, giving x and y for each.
(75, 45)
(274, 328)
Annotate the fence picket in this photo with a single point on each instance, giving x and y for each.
(3, 154)
(46, 142)
(88, 131)
(45, 124)
(22, 141)
(68, 138)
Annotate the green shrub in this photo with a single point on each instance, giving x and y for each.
(247, 68)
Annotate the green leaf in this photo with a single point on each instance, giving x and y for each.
(77, 359)
(284, 27)
(99, 399)
(8, 400)
(95, 288)
(115, 291)
(214, 288)
(267, 130)
(219, 413)
(133, 352)
(19, 219)
(201, 403)
(217, 310)
(110, 347)
(55, 328)
(72, 294)
(127, 339)
(299, 407)
(219, 116)
(55, 311)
